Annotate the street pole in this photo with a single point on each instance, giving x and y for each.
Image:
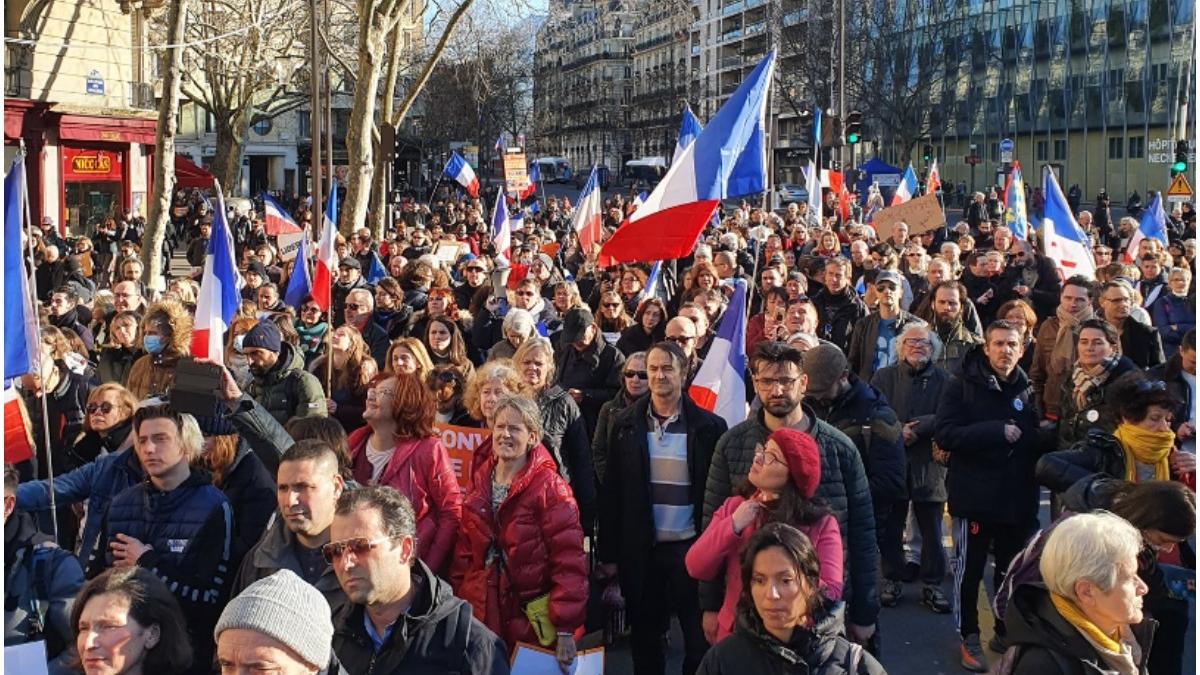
(329, 117)
(841, 75)
(315, 123)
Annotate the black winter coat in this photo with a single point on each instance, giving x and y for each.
(564, 433)
(1141, 344)
(436, 636)
(990, 479)
(1098, 453)
(837, 314)
(250, 489)
(113, 364)
(626, 512)
(1073, 420)
(844, 488)
(604, 423)
(864, 416)
(914, 395)
(595, 372)
(817, 651)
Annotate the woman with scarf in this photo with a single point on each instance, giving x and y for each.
(1140, 447)
(1054, 353)
(311, 326)
(1084, 395)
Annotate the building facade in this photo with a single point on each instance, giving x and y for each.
(583, 83)
(660, 76)
(79, 98)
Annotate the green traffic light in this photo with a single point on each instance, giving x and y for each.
(1179, 167)
(852, 138)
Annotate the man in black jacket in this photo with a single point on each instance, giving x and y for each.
(987, 420)
(586, 366)
(838, 306)
(652, 504)
(401, 618)
(1141, 343)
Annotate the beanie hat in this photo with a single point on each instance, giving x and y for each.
(824, 365)
(264, 335)
(258, 268)
(803, 458)
(286, 608)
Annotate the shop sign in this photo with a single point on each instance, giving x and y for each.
(96, 165)
(95, 83)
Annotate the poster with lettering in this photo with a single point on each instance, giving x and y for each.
(460, 444)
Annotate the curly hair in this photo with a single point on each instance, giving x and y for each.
(448, 294)
(498, 370)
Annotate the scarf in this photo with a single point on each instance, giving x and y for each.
(1071, 612)
(1145, 447)
(1087, 378)
(1063, 353)
(311, 338)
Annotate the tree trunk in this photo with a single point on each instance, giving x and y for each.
(164, 153)
(231, 145)
(379, 197)
(360, 148)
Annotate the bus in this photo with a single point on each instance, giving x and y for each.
(553, 169)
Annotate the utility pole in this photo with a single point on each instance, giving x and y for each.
(841, 110)
(315, 119)
(328, 112)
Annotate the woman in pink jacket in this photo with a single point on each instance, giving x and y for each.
(780, 487)
(397, 448)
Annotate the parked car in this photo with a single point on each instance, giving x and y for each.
(789, 192)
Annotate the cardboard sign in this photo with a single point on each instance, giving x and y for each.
(922, 214)
(530, 659)
(516, 173)
(460, 444)
(289, 244)
(448, 252)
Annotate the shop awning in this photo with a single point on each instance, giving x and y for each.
(107, 129)
(188, 175)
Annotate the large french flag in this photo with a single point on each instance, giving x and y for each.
(727, 159)
(1066, 244)
(720, 386)
(276, 219)
(326, 263)
(1152, 226)
(20, 320)
(218, 300)
(462, 173)
(588, 214)
(907, 187)
(502, 230)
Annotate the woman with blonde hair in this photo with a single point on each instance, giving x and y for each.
(491, 382)
(353, 369)
(107, 423)
(408, 355)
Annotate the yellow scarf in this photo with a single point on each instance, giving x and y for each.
(1145, 447)
(1070, 611)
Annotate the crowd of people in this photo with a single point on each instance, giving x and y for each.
(313, 520)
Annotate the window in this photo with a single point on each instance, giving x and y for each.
(995, 152)
(1060, 150)
(1040, 150)
(262, 127)
(209, 122)
(305, 119)
(1115, 147)
(1137, 147)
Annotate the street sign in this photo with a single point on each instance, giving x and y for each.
(973, 159)
(1180, 189)
(516, 172)
(1006, 150)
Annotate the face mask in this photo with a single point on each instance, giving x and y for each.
(153, 344)
(237, 342)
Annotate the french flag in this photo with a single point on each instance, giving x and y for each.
(218, 300)
(299, 284)
(588, 215)
(727, 159)
(651, 289)
(1152, 226)
(720, 385)
(530, 190)
(1066, 244)
(277, 220)
(462, 173)
(322, 286)
(501, 231)
(689, 129)
(907, 187)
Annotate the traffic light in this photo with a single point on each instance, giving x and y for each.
(853, 127)
(927, 153)
(807, 135)
(1181, 158)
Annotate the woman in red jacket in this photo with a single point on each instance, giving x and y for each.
(521, 537)
(779, 488)
(397, 448)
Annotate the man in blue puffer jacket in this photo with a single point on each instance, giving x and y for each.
(176, 524)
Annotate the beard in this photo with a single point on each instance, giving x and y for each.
(780, 407)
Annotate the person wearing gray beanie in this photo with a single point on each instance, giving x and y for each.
(280, 619)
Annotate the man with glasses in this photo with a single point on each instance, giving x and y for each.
(1141, 343)
(474, 277)
(651, 509)
(349, 279)
(358, 312)
(873, 342)
(682, 331)
(400, 616)
(780, 384)
(1034, 277)
(309, 484)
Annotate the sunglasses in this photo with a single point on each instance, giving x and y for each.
(353, 306)
(612, 305)
(104, 408)
(680, 339)
(639, 374)
(359, 546)
(476, 269)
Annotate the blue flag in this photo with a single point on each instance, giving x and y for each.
(20, 321)
(730, 154)
(299, 285)
(375, 270)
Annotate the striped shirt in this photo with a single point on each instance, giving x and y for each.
(670, 481)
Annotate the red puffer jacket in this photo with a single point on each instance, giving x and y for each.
(421, 470)
(537, 530)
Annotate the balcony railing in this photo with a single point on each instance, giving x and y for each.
(733, 7)
(17, 76)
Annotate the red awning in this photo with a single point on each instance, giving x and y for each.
(188, 175)
(107, 129)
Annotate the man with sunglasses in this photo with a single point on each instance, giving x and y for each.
(873, 342)
(349, 279)
(1034, 277)
(400, 617)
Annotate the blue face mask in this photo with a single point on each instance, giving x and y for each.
(237, 342)
(153, 343)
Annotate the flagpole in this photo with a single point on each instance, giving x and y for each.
(26, 226)
(329, 332)
(433, 193)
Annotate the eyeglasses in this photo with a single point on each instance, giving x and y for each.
(476, 269)
(916, 342)
(885, 286)
(764, 458)
(103, 408)
(639, 374)
(359, 546)
(353, 306)
(680, 339)
(772, 382)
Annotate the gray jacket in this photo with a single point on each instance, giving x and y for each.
(274, 552)
(914, 396)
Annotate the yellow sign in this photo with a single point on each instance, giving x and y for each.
(516, 173)
(1180, 187)
(97, 163)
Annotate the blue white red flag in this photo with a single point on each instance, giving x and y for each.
(462, 173)
(720, 384)
(299, 284)
(20, 320)
(652, 288)
(326, 263)
(218, 300)
(1065, 243)
(689, 129)
(276, 218)
(907, 187)
(1153, 225)
(501, 231)
(588, 216)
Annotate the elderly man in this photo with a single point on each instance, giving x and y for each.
(358, 308)
(278, 624)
